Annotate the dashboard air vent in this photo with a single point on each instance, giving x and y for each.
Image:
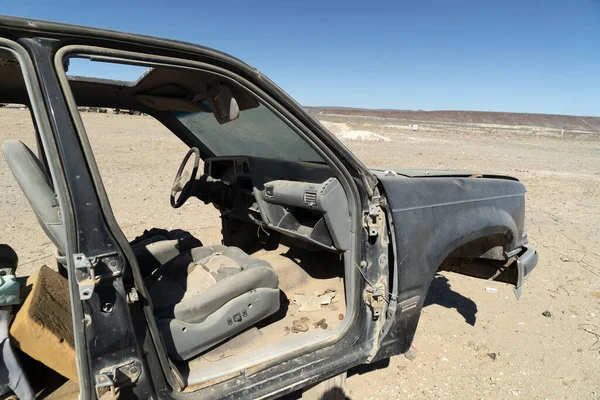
(310, 198)
(268, 191)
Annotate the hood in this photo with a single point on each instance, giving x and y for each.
(424, 173)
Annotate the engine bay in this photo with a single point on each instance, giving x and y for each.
(301, 200)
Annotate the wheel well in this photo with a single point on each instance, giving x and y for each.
(483, 258)
(489, 247)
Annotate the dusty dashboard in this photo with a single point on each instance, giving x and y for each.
(231, 170)
(298, 199)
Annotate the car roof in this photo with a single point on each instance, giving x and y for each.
(20, 26)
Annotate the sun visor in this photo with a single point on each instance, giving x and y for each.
(192, 92)
(224, 105)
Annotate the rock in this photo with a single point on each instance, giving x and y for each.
(341, 317)
(411, 354)
(565, 259)
(492, 356)
(547, 314)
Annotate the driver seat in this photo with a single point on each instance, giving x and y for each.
(208, 295)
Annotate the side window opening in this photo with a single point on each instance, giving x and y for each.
(137, 157)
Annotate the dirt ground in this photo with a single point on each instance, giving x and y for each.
(472, 343)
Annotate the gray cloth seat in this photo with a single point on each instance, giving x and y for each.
(152, 249)
(36, 185)
(208, 295)
(202, 296)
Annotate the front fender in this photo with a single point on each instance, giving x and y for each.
(433, 216)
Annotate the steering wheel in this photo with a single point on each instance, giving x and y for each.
(184, 181)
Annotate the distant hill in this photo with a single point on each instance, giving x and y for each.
(551, 121)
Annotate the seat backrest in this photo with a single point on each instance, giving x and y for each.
(34, 182)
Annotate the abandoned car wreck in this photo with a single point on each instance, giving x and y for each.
(323, 264)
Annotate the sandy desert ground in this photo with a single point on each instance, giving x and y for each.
(510, 350)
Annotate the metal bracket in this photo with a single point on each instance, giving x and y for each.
(373, 220)
(132, 295)
(110, 379)
(374, 299)
(105, 387)
(85, 275)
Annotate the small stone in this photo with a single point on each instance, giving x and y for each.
(492, 356)
(565, 259)
(547, 314)
(411, 354)
(341, 317)
(324, 325)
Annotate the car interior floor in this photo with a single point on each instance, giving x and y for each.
(312, 298)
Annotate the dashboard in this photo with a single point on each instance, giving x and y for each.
(231, 170)
(298, 199)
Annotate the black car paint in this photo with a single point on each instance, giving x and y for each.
(429, 216)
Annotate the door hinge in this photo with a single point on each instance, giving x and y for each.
(109, 380)
(84, 271)
(87, 274)
(374, 299)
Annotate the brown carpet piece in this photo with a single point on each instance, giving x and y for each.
(43, 327)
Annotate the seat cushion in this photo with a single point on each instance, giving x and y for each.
(209, 294)
(195, 284)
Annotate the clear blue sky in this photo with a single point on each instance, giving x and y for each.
(523, 56)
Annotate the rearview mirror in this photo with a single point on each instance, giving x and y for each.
(224, 106)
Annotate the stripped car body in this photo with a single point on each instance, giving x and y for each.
(401, 226)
